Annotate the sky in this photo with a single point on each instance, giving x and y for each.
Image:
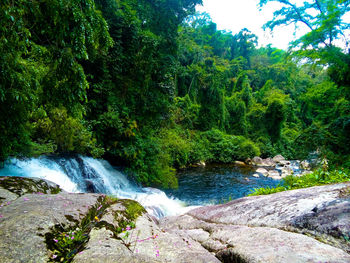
(234, 15)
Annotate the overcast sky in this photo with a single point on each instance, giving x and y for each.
(234, 15)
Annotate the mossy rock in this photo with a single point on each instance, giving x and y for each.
(23, 185)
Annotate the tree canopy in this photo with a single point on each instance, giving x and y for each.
(153, 86)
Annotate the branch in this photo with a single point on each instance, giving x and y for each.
(301, 19)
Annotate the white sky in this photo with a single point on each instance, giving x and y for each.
(234, 15)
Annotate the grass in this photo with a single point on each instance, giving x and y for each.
(319, 177)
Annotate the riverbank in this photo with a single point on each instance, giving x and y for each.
(96, 228)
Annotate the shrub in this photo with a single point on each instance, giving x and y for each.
(319, 177)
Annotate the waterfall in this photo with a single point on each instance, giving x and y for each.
(87, 175)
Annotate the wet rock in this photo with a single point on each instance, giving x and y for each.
(256, 175)
(239, 163)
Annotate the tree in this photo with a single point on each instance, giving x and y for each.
(323, 18)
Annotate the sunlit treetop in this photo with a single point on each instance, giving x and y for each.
(323, 18)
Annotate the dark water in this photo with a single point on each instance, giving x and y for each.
(215, 184)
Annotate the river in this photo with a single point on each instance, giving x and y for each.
(200, 186)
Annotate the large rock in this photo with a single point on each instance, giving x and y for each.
(262, 171)
(278, 158)
(305, 225)
(268, 162)
(31, 222)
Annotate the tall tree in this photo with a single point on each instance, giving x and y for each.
(323, 18)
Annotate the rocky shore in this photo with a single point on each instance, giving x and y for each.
(278, 167)
(41, 223)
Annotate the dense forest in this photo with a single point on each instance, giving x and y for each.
(153, 86)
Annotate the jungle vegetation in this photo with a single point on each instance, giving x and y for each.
(154, 86)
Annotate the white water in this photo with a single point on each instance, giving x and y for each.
(84, 174)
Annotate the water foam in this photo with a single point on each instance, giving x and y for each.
(85, 174)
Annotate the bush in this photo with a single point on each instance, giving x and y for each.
(226, 148)
(175, 143)
(319, 177)
(67, 132)
(247, 149)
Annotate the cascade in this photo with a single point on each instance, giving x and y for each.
(87, 175)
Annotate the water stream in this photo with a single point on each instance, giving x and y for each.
(197, 186)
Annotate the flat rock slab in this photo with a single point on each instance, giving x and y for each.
(25, 221)
(145, 243)
(319, 211)
(27, 215)
(239, 243)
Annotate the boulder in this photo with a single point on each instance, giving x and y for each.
(256, 175)
(269, 162)
(257, 161)
(305, 165)
(239, 163)
(278, 158)
(31, 223)
(262, 171)
(321, 212)
(263, 162)
(304, 225)
(242, 243)
(248, 161)
(274, 174)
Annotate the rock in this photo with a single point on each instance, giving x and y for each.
(239, 163)
(257, 161)
(241, 243)
(274, 174)
(320, 212)
(278, 158)
(21, 185)
(285, 171)
(30, 221)
(263, 162)
(262, 171)
(7, 196)
(269, 162)
(256, 175)
(284, 163)
(25, 221)
(248, 161)
(305, 165)
(268, 228)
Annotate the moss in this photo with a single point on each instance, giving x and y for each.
(22, 185)
(66, 241)
(133, 209)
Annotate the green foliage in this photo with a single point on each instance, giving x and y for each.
(155, 87)
(68, 133)
(319, 177)
(228, 148)
(65, 243)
